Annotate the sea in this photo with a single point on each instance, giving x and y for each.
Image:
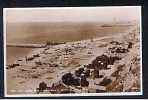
(58, 32)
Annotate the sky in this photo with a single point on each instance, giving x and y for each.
(72, 14)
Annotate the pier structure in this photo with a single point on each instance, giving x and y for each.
(25, 45)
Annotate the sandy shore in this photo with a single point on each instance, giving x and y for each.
(49, 64)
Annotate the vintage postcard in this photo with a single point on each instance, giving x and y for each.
(73, 51)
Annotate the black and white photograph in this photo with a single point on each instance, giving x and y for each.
(72, 51)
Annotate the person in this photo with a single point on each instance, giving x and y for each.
(130, 45)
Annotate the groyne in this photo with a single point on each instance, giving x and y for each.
(25, 45)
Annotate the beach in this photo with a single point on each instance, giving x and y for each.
(51, 63)
(68, 31)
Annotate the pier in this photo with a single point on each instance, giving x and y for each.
(25, 45)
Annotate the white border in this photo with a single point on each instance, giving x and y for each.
(80, 94)
(141, 71)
